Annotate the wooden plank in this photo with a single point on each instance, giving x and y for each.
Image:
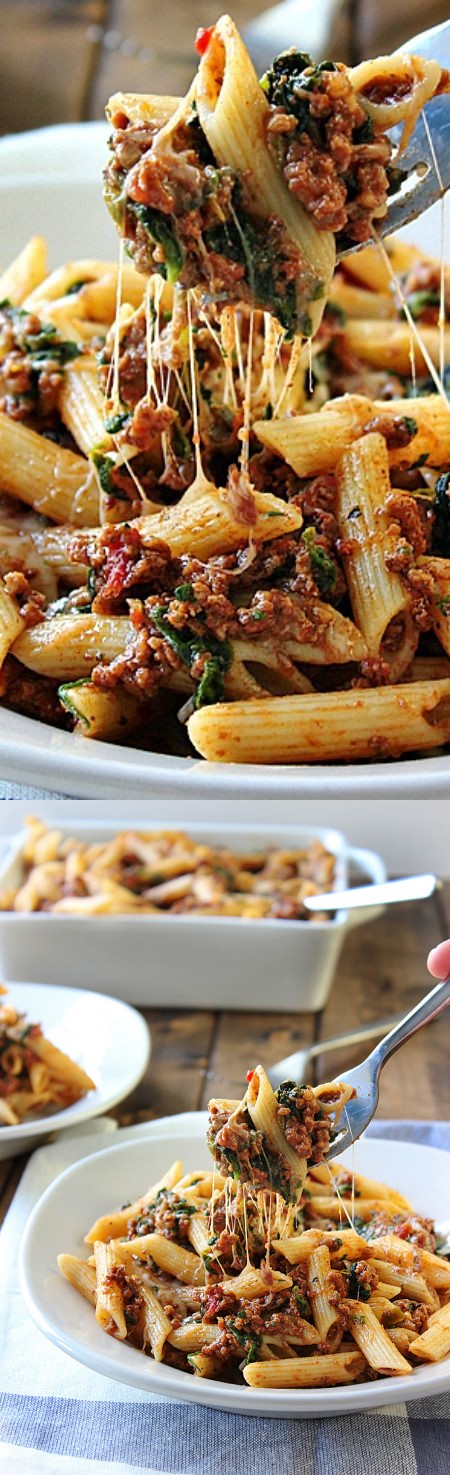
(245, 1040)
(181, 1043)
(48, 55)
(382, 971)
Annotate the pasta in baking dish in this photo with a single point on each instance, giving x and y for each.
(275, 1268)
(165, 871)
(35, 1076)
(224, 461)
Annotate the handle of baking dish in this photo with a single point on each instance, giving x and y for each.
(372, 866)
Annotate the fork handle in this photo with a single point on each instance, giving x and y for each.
(427, 1009)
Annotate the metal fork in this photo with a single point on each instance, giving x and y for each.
(424, 185)
(365, 1077)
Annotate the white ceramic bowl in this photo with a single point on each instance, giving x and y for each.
(110, 1040)
(89, 1188)
(188, 961)
(36, 195)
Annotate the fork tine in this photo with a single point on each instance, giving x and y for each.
(424, 184)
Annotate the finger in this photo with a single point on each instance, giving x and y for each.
(438, 961)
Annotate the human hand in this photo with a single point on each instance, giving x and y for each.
(438, 960)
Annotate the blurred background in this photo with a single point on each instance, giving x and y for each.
(62, 59)
(410, 836)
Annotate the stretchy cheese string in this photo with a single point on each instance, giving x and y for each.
(434, 375)
(342, 1204)
(200, 478)
(294, 360)
(115, 407)
(245, 433)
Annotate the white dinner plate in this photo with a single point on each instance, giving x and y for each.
(36, 195)
(110, 1040)
(100, 1182)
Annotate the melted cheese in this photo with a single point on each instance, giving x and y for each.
(414, 327)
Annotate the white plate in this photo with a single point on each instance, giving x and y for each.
(89, 1188)
(108, 1038)
(35, 195)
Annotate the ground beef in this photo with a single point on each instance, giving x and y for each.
(169, 1216)
(407, 513)
(397, 430)
(32, 694)
(338, 176)
(132, 1297)
(30, 379)
(300, 1118)
(30, 602)
(415, 1315)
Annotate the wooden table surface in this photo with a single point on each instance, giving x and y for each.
(382, 972)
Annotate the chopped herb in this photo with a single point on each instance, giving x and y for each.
(257, 614)
(440, 537)
(184, 592)
(333, 309)
(444, 605)
(323, 567)
(25, 1033)
(354, 514)
(421, 461)
(250, 1341)
(318, 292)
(76, 286)
(66, 699)
(104, 466)
(114, 423)
(301, 1303)
(356, 1290)
(268, 412)
(205, 393)
(365, 133)
(44, 344)
(410, 425)
(419, 301)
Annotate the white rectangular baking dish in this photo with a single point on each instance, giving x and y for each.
(187, 961)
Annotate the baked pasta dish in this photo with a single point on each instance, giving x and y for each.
(275, 1268)
(225, 526)
(167, 872)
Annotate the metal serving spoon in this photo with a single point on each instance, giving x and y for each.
(365, 1077)
(410, 888)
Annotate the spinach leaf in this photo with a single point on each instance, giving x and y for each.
(165, 235)
(440, 537)
(188, 645)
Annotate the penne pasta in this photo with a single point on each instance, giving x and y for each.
(260, 509)
(62, 485)
(379, 598)
(311, 729)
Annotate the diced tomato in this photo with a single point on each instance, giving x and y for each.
(250, 1074)
(203, 38)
